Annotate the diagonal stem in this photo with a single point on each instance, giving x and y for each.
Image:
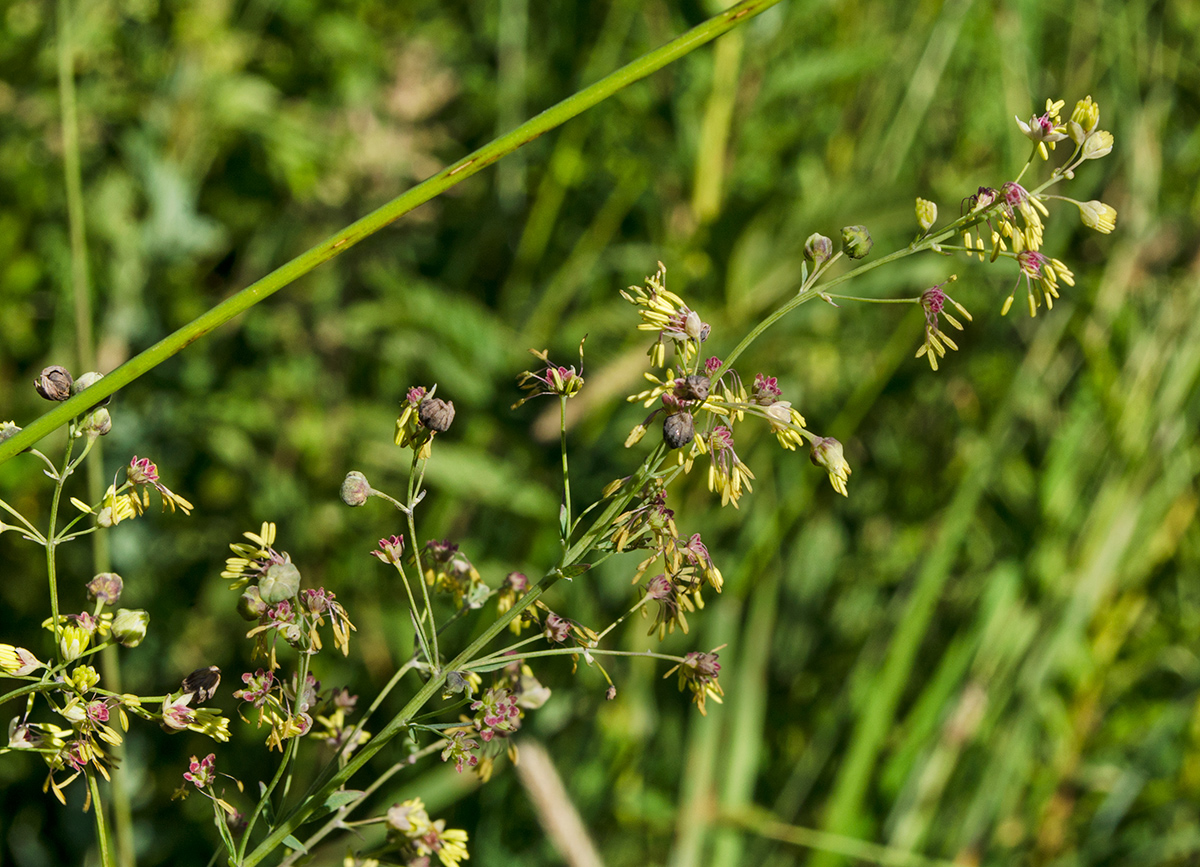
(378, 219)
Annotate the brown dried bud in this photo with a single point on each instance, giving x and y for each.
(54, 383)
(679, 429)
(436, 414)
(693, 388)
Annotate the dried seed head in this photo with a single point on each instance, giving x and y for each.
(679, 429)
(54, 383)
(693, 388)
(436, 414)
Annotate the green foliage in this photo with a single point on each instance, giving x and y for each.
(988, 651)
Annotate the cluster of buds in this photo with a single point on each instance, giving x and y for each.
(55, 383)
(422, 417)
(271, 597)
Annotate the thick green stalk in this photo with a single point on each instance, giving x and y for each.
(388, 213)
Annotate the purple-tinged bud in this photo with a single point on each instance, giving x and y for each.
(818, 249)
(436, 414)
(856, 241)
(611, 692)
(96, 423)
(390, 549)
(54, 383)
(356, 490)
(557, 628)
(129, 626)
(105, 587)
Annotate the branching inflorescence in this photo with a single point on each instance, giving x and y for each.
(703, 408)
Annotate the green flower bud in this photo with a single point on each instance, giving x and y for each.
(129, 626)
(251, 606)
(96, 423)
(87, 380)
(84, 677)
(73, 641)
(856, 241)
(281, 581)
(926, 214)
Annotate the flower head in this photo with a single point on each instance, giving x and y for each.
(1097, 215)
(552, 379)
(201, 773)
(1041, 275)
(665, 312)
(933, 302)
(1045, 130)
(143, 471)
(827, 453)
(698, 672)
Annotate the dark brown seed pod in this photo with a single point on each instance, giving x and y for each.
(54, 383)
(693, 388)
(436, 414)
(679, 429)
(203, 683)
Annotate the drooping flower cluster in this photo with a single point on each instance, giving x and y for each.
(933, 302)
(664, 312)
(416, 839)
(698, 673)
(132, 498)
(1018, 231)
(551, 378)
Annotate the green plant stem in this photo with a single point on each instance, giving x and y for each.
(566, 519)
(808, 294)
(383, 216)
(52, 544)
(285, 765)
(577, 651)
(106, 855)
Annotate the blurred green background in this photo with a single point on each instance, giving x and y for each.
(987, 653)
